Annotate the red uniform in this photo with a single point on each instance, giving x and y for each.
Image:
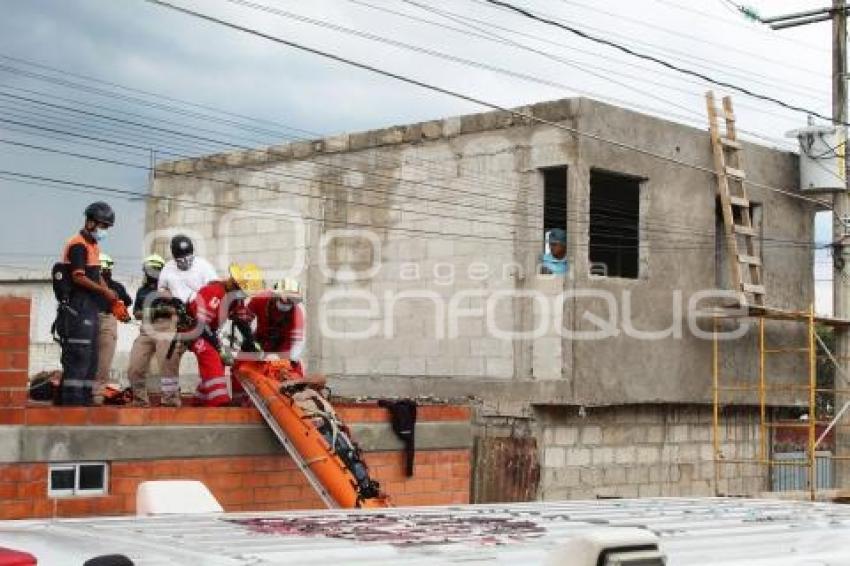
(209, 308)
(279, 331)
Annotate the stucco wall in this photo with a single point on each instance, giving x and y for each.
(453, 211)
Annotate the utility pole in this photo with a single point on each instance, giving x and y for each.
(840, 217)
(840, 200)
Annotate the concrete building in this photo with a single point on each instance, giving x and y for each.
(419, 247)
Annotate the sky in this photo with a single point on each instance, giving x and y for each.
(53, 51)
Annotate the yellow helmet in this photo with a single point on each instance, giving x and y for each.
(247, 276)
(106, 262)
(155, 261)
(289, 288)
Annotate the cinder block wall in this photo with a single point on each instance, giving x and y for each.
(645, 451)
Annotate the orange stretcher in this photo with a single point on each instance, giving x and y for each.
(318, 442)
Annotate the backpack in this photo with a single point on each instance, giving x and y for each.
(60, 276)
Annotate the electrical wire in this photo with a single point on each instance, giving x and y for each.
(698, 118)
(740, 73)
(219, 141)
(599, 213)
(628, 50)
(692, 37)
(214, 140)
(458, 95)
(488, 209)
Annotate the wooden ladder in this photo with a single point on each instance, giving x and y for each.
(745, 267)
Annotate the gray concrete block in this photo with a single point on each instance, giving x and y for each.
(554, 457)
(565, 435)
(591, 435)
(578, 456)
(10, 443)
(336, 143)
(451, 126)
(431, 130)
(302, 149)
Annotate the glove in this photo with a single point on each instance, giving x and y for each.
(119, 311)
(226, 357)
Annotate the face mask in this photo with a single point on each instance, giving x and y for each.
(184, 263)
(99, 235)
(283, 306)
(151, 272)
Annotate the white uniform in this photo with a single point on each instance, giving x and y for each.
(184, 284)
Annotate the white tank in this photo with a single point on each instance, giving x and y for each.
(822, 151)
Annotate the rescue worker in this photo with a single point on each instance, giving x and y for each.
(554, 261)
(280, 320)
(184, 275)
(77, 318)
(154, 339)
(107, 336)
(181, 278)
(212, 306)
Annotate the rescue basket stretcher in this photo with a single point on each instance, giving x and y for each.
(313, 436)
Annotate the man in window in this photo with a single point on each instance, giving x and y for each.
(554, 261)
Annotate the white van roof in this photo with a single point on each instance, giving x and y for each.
(727, 532)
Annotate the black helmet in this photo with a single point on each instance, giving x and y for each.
(100, 212)
(181, 246)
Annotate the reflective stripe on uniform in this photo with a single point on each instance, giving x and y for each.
(77, 383)
(217, 393)
(208, 384)
(78, 340)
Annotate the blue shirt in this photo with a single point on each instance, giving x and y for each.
(553, 265)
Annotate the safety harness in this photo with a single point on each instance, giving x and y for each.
(325, 419)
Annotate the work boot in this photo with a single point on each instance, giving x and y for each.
(170, 400)
(140, 397)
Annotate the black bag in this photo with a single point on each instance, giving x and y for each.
(44, 386)
(60, 276)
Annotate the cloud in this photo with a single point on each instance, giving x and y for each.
(142, 46)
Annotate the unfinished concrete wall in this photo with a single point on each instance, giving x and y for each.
(444, 218)
(646, 451)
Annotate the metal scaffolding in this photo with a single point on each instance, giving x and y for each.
(803, 386)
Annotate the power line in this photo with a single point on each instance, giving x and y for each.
(577, 216)
(746, 74)
(490, 36)
(525, 13)
(461, 96)
(428, 199)
(194, 204)
(725, 46)
(440, 54)
(213, 140)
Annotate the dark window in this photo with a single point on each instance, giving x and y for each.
(72, 479)
(91, 476)
(62, 479)
(554, 198)
(614, 224)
